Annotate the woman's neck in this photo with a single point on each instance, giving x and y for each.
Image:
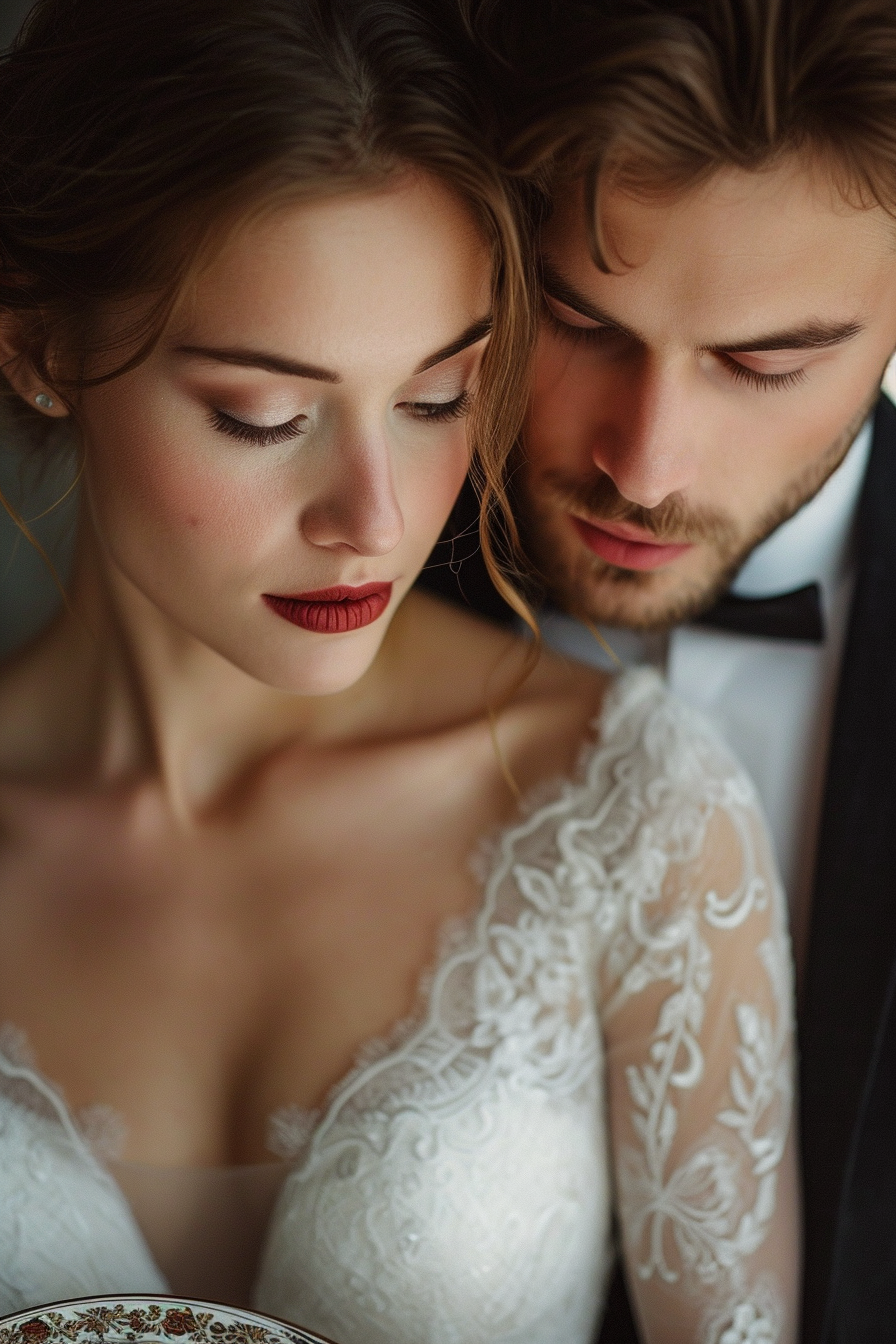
(115, 690)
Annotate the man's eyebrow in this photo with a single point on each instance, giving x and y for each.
(811, 336)
(814, 335)
(559, 288)
(258, 359)
(474, 332)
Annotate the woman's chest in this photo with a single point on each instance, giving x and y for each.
(197, 982)
(485, 1219)
(473, 1141)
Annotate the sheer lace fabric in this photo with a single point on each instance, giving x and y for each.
(625, 989)
(66, 1230)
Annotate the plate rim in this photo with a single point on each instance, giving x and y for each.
(13, 1320)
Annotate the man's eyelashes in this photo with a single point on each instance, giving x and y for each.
(766, 381)
(596, 335)
(602, 335)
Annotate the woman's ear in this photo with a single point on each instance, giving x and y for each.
(22, 378)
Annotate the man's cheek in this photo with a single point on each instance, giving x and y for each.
(548, 433)
(556, 370)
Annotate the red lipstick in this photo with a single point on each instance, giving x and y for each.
(625, 546)
(333, 611)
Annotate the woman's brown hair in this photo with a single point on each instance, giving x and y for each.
(132, 133)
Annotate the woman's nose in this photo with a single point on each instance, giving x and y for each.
(358, 507)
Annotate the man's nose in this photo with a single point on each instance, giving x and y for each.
(357, 508)
(645, 438)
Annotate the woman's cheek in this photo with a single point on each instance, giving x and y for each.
(157, 499)
(433, 489)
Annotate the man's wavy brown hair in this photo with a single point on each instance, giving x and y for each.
(657, 95)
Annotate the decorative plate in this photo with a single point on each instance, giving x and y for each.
(152, 1320)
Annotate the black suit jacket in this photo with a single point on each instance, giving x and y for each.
(848, 1016)
(848, 1013)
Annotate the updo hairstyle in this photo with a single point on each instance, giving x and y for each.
(135, 133)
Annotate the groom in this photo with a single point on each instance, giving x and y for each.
(709, 475)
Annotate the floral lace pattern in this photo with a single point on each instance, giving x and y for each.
(624, 990)
(65, 1228)
(456, 1188)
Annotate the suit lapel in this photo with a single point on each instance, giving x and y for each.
(852, 946)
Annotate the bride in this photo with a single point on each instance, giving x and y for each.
(259, 272)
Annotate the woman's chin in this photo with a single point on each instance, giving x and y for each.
(316, 665)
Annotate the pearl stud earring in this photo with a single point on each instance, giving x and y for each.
(44, 402)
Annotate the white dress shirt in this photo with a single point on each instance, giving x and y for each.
(772, 699)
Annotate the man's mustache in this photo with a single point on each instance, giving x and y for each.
(672, 521)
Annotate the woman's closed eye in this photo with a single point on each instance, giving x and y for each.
(437, 412)
(262, 435)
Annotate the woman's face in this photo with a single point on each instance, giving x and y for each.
(300, 429)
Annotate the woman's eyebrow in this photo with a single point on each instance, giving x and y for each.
(260, 359)
(474, 332)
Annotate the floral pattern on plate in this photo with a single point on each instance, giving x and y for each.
(123, 1320)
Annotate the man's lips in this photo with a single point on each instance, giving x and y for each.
(333, 611)
(625, 546)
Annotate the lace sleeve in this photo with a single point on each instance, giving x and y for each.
(696, 1003)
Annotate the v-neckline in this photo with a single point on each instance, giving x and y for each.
(379, 1051)
(16, 1058)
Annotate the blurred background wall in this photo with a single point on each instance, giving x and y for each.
(28, 595)
(12, 12)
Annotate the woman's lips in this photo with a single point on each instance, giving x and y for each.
(626, 547)
(333, 611)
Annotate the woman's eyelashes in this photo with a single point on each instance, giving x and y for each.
(262, 435)
(430, 412)
(438, 411)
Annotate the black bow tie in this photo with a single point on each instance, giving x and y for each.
(795, 615)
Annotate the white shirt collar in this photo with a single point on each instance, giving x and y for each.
(814, 545)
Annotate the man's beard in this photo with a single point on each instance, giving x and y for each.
(592, 589)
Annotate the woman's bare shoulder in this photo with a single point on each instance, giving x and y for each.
(467, 651)
(543, 704)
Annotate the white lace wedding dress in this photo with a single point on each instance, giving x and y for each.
(616, 1016)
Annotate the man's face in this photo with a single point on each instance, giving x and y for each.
(687, 404)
